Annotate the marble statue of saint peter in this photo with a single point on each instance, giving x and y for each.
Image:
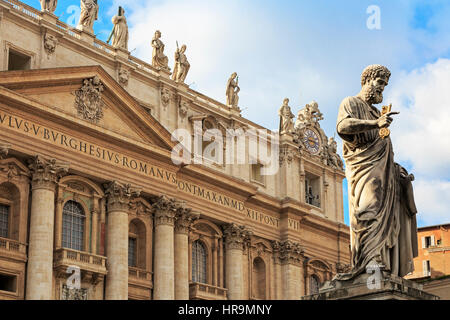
(381, 203)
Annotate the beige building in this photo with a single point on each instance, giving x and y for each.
(432, 265)
(93, 207)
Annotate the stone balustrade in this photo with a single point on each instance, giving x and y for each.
(85, 261)
(140, 277)
(207, 292)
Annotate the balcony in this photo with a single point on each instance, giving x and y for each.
(13, 249)
(140, 277)
(202, 291)
(91, 265)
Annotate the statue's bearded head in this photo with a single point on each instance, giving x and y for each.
(373, 81)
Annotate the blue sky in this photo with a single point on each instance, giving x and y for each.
(313, 50)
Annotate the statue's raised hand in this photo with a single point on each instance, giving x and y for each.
(385, 120)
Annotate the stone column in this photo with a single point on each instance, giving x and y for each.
(46, 173)
(185, 218)
(235, 238)
(164, 214)
(291, 259)
(119, 198)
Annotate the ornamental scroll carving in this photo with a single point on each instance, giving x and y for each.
(46, 172)
(88, 100)
(165, 210)
(120, 196)
(288, 252)
(236, 236)
(185, 219)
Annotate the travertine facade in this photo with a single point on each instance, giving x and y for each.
(89, 193)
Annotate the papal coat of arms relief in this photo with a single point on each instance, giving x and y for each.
(88, 100)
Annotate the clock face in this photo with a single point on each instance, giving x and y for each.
(311, 141)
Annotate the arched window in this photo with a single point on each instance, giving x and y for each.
(4, 221)
(259, 279)
(198, 262)
(73, 226)
(314, 284)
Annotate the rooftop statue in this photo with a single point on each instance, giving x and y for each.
(382, 209)
(182, 65)
(88, 15)
(233, 90)
(119, 34)
(159, 59)
(49, 5)
(286, 116)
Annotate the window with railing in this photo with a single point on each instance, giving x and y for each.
(198, 262)
(73, 226)
(4, 221)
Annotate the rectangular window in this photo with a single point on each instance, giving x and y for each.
(426, 268)
(4, 221)
(132, 252)
(256, 173)
(312, 190)
(18, 61)
(8, 283)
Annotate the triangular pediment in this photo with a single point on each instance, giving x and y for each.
(91, 97)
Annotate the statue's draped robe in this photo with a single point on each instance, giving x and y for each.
(120, 32)
(381, 204)
(232, 93)
(181, 68)
(159, 59)
(89, 13)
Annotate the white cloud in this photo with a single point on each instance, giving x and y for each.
(421, 136)
(432, 201)
(421, 132)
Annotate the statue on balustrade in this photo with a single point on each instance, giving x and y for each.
(119, 34)
(88, 15)
(286, 116)
(233, 90)
(182, 65)
(159, 59)
(49, 5)
(382, 209)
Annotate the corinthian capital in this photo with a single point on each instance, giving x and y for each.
(289, 252)
(184, 219)
(236, 236)
(46, 172)
(120, 195)
(165, 209)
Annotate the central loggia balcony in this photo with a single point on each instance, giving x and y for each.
(91, 265)
(202, 291)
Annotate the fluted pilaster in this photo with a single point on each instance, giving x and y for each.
(290, 257)
(164, 210)
(45, 175)
(235, 239)
(119, 198)
(184, 220)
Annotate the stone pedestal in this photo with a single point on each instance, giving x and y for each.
(40, 251)
(367, 287)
